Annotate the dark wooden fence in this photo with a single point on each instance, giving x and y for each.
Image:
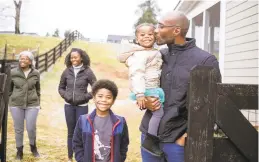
(45, 60)
(211, 102)
(4, 98)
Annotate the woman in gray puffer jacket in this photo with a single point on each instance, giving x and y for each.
(73, 89)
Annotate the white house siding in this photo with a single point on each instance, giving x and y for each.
(241, 46)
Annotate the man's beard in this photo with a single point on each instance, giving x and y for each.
(164, 41)
(172, 41)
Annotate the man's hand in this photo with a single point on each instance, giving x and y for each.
(181, 141)
(152, 103)
(141, 102)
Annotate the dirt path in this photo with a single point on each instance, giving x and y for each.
(51, 125)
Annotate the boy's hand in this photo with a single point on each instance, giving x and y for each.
(141, 102)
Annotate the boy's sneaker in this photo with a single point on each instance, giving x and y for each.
(151, 145)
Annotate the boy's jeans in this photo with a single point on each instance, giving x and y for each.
(172, 151)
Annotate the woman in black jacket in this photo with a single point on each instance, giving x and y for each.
(73, 89)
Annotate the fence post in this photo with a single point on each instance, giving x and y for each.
(37, 58)
(37, 62)
(5, 53)
(54, 55)
(7, 71)
(13, 54)
(69, 40)
(72, 38)
(60, 49)
(65, 44)
(46, 61)
(201, 101)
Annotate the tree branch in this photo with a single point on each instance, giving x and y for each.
(17, 4)
(6, 16)
(4, 8)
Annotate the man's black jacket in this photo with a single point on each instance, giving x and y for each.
(177, 64)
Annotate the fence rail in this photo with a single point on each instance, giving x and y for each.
(46, 60)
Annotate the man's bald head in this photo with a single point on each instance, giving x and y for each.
(179, 19)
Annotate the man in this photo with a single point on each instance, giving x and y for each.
(179, 58)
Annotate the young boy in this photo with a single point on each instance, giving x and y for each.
(101, 136)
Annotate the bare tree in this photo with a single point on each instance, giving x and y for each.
(18, 6)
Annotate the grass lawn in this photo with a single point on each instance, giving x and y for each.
(18, 43)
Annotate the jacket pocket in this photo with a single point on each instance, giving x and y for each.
(17, 98)
(80, 97)
(68, 97)
(33, 97)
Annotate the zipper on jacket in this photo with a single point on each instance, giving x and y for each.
(26, 78)
(112, 141)
(74, 89)
(173, 68)
(90, 121)
(26, 103)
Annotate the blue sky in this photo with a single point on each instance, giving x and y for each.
(93, 18)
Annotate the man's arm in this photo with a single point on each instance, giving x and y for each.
(212, 61)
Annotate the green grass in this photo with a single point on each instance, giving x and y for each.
(100, 53)
(18, 43)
